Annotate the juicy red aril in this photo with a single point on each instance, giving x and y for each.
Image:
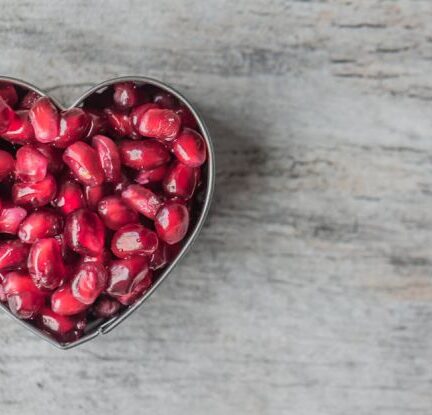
(64, 303)
(165, 100)
(45, 120)
(74, 124)
(109, 157)
(13, 255)
(181, 180)
(115, 213)
(133, 239)
(138, 112)
(7, 164)
(85, 232)
(151, 176)
(35, 194)
(190, 148)
(84, 162)
(125, 95)
(8, 93)
(29, 100)
(98, 122)
(163, 124)
(94, 194)
(144, 154)
(20, 130)
(160, 257)
(31, 165)
(69, 197)
(40, 224)
(6, 116)
(119, 122)
(172, 222)
(53, 155)
(187, 118)
(142, 200)
(10, 218)
(141, 283)
(45, 264)
(106, 307)
(88, 282)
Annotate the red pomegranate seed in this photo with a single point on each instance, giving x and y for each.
(41, 224)
(69, 198)
(84, 232)
(133, 239)
(125, 95)
(88, 282)
(190, 148)
(54, 157)
(20, 130)
(106, 307)
(7, 116)
(143, 154)
(163, 124)
(141, 283)
(109, 157)
(152, 176)
(8, 93)
(7, 164)
(142, 200)
(74, 124)
(45, 120)
(31, 165)
(24, 298)
(84, 162)
(187, 118)
(98, 122)
(115, 213)
(35, 194)
(29, 100)
(120, 122)
(103, 258)
(181, 180)
(165, 100)
(45, 264)
(63, 328)
(10, 218)
(13, 255)
(137, 113)
(64, 303)
(172, 222)
(160, 257)
(94, 194)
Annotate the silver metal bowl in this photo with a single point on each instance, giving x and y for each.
(107, 326)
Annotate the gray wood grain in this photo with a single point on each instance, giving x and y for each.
(309, 291)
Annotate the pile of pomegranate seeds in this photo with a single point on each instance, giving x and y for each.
(94, 201)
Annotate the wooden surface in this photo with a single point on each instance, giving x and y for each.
(309, 291)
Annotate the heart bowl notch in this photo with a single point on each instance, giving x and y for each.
(164, 93)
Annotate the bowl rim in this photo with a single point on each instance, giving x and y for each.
(112, 323)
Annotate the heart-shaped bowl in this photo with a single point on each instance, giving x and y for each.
(103, 327)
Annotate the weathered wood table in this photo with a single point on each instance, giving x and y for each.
(310, 289)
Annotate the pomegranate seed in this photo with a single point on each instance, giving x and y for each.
(165, 100)
(13, 255)
(181, 180)
(36, 194)
(106, 307)
(103, 258)
(187, 118)
(152, 176)
(138, 112)
(54, 157)
(29, 100)
(125, 95)
(41, 224)
(163, 124)
(24, 298)
(8, 93)
(141, 283)
(133, 239)
(7, 164)
(64, 303)
(69, 198)
(45, 264)
(160, 257)
(85, 232)
(120, 123)
(172, 222)
(145, 154)
(190, 148)
(94, 194)
(7, 116)
(142, 200)
(10, 218)
(109, 157)
(98, 122)
(74, 124)
(45, 120)
(63, 328)
(84, 162)
(20, 130)
(115, 213)
(88, 282)
(31, 164)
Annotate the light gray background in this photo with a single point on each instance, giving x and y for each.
(309, 291)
